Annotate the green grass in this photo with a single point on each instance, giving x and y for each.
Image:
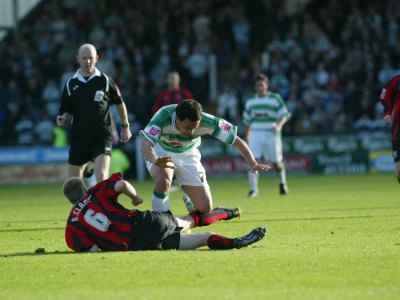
(332, 237)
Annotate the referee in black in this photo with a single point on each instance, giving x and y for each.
(85, 106)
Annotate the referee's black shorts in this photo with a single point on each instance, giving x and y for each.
(155, 231)
(87, 145)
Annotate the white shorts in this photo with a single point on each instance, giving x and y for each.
(266, 144)
(189, 170)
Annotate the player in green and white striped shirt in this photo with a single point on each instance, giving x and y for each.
(170, 145)
(264, 116)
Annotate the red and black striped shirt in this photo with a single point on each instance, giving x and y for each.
(390, 98)
(168, 97)
(98, 219)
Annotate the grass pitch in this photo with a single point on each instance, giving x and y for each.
(332, 237)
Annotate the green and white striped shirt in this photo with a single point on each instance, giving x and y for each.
(162, 130)
(263, 113)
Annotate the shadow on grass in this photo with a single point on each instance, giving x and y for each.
(32, 229)
(23, 254)
(55, 221)
(36, 253)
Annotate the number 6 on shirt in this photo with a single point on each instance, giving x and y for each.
(97, 220)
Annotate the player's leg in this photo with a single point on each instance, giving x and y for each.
(198, 219)
(185, 222)
(256, 147)
(102, 167)
(188, 203)
(192, 178)
(218, 242)
(191, 241)
(174, 186)
(200, 196)
(276, 156)
(253, 183)
(217, 214)
(88, 170)
(88, 174)
(162, 180)
(102, 153)
(281, 172)
(75, 171)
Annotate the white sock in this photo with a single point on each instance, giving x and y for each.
(91, 181)
(282, 175)
(253, 181)
(189, 203)
(160, 204)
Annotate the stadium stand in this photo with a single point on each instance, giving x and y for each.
(328, 59)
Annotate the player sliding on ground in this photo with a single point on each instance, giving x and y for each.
(98, 222)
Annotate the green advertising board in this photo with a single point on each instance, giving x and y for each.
(328, 154)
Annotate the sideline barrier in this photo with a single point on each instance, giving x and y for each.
(22, 165)
(340, 154)
(329, 155)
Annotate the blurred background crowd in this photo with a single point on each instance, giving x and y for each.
(328, 59)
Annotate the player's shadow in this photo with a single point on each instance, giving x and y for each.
(19, 254)
(31, 229)
(36, 253)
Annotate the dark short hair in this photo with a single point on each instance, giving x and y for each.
(261, 77)
(189, 109)
(74, 189)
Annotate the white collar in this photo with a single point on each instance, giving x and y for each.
(79, 76)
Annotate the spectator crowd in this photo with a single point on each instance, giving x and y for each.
(328, 59)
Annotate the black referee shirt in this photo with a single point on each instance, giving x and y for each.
(89, 100)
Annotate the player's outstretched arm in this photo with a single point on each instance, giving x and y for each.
(126, 188)
(244, 149)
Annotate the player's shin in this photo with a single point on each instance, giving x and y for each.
(281, 172)
(217, 214)
(253, 181)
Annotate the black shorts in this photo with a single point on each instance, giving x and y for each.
(155, 231)
(86, 146)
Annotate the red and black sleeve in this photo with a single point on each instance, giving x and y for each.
(106, 188)
(390, 94)
(187, 94)
(158, 104)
